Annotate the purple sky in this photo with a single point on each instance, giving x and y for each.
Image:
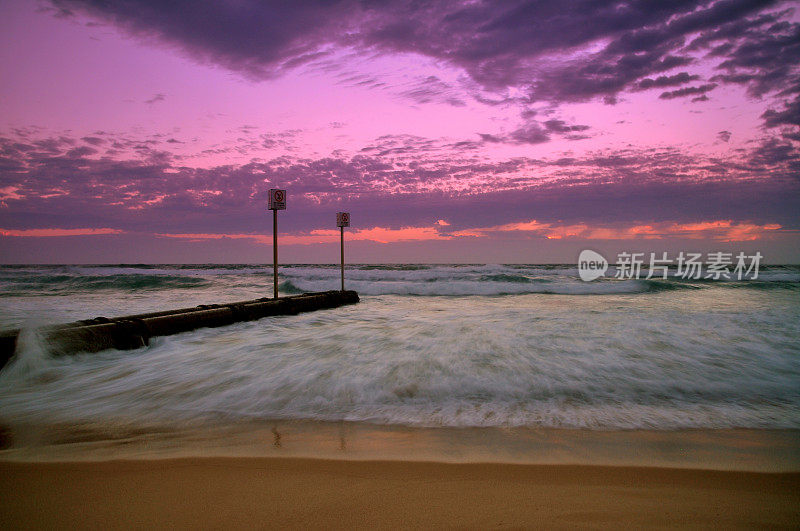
(149, 131)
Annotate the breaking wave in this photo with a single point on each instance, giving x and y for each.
(63, 284)
(429, 345)
(402, 279)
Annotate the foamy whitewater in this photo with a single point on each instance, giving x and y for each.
(429, 345)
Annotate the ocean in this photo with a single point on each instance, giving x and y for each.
(433, 347)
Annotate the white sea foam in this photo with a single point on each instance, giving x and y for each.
(711, 357)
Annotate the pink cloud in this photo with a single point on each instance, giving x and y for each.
(723, 230)
(375, 234)
(45, 233)
(9, 192)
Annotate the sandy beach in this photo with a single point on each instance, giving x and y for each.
(307, 493)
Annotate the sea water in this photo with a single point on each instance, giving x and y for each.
(428, 346)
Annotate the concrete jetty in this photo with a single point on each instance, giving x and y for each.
(134, 331)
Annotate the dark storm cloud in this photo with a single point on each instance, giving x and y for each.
(773, 153)
(789, 115)
(79, 152)
(256, 38)
(764, 61)
(560, 126)
(93, 140)
(531, 133)
(666, 81)
(534, 132)
(688, 91)
(497, 44)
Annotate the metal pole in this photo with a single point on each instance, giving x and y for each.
(341, 232)
(275, 252)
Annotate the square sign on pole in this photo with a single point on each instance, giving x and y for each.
(342, 221)
(277, 199)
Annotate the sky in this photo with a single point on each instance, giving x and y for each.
(143, 131)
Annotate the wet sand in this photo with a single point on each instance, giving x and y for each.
(737, 449)
(310, 493)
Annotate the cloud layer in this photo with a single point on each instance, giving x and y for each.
(571, 100)
(551, 51)
(68, 183)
